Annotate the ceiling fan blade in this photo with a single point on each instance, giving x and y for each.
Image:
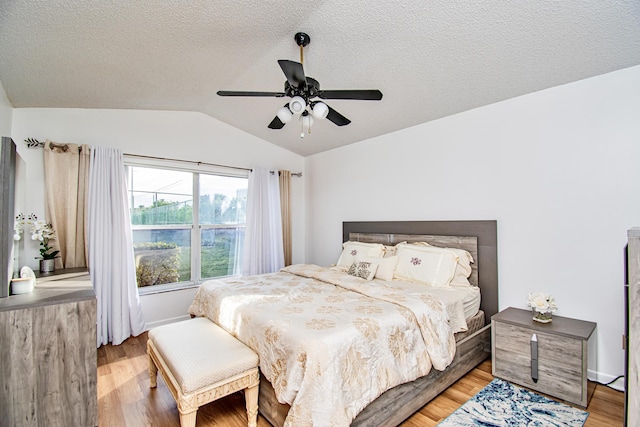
(294, 73)
(364, 94)
(337, 118)
(242, 93)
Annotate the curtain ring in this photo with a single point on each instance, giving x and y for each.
(63, 147)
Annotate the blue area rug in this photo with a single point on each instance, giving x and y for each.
(502, 404)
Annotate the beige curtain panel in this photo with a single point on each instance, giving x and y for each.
(285, 207)
(66, 176)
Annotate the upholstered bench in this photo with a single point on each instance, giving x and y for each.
(201, 362)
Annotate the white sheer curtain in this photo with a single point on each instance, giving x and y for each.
(263, 252)
(111, 258)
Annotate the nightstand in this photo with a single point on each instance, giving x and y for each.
(563, 349)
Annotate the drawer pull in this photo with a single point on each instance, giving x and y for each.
(534, 358)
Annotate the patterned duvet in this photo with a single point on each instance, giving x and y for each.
(330, 343)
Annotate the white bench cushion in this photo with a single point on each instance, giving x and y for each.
(199, 353)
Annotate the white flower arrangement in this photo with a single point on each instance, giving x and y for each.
(40, 230)
(541, 302)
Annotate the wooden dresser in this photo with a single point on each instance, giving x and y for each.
(563, 352)
(48, 356)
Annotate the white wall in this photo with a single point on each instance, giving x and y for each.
(170, 134)
(558, 169)
(6, 113)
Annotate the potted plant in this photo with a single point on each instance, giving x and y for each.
(542, 305)
(43, 232)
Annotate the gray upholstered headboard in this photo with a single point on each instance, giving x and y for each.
(478, 237)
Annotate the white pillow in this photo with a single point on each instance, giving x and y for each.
(426, 264)
(386, 266)
(363, 269)
(463, 268)
(352, 249)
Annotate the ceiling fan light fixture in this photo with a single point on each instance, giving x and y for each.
(284, 114)
(297, 105)
(320, 110)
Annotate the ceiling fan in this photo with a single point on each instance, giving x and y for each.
(303, 92)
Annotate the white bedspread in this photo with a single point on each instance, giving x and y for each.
(331, 343)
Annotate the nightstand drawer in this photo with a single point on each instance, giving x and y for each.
(560, 361)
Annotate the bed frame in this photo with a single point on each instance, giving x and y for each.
(400, 402)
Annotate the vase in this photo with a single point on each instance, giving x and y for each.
(47, 265)
(545, 317)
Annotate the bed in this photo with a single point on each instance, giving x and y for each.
(409, 346)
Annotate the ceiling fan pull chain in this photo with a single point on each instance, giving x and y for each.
(301, 54)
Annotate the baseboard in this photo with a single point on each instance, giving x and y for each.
(606, 378)
(151, 325)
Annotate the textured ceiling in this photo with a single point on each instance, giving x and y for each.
(430, 59)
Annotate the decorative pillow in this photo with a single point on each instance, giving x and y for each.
(386, 266)
(352, 249)
(425, 264)
(463, 268)
(390, 251)
(363, 269)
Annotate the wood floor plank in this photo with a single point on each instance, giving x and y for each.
(125, 399)
(420, 420)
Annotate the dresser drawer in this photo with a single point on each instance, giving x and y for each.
(560, 361)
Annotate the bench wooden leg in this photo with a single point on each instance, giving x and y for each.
(153, 372)
(251, 401)
(188, 420)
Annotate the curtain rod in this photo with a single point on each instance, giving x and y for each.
(34, 143)
(298, 174)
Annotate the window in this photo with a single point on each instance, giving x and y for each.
(179, 239)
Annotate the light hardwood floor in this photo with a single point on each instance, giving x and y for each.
(125, 399)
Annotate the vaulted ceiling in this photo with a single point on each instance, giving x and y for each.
(430, 59)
